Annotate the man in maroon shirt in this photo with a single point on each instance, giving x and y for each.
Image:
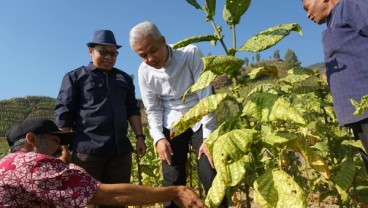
(32, 175)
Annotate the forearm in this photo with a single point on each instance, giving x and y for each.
(136, 124)
(129, 194)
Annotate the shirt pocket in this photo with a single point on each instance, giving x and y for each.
(94, 92)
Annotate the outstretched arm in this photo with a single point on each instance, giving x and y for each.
(131, 194)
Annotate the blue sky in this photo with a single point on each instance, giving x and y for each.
(42, 40)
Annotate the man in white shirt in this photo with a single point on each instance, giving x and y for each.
(164, 76)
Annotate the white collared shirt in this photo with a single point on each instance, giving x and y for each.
(162, 91)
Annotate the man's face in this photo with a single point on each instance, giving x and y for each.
(103, 56)
(317, 10)
(49, 145)
(151, 51)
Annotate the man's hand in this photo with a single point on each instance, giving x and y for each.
(65, 154)
(164, 150)
(204, 150)
(188, 198)
(140, 146)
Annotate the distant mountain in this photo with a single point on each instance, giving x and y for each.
(318, 66)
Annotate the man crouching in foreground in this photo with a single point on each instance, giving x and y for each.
(32, 175)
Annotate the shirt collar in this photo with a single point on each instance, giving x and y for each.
(169, 56)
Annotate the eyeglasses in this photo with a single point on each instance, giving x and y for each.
(107, 53)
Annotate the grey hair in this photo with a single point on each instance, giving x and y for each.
(17, 145)
(142, 30)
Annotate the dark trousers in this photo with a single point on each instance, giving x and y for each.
(360, 130)
(107, 169)
(175, 174)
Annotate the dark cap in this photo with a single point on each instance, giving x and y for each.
(103, 37)
(37, 126)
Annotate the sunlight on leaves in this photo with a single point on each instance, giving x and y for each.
(269, 37)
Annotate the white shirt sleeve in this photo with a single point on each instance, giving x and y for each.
(153, 107)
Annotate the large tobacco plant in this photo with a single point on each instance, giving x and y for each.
(282, 141)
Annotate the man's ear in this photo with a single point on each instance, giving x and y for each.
(31, 139)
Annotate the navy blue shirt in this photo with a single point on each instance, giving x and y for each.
(97, 107)
(345, 43)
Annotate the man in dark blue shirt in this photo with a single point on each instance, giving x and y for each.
(97, 101)
(345, 44)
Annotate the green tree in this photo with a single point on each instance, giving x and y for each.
(246, 61)
(291, 59)
(258, 57)
(276, 55)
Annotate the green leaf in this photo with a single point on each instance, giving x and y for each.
(277, 138)
(223, 64)
(345, 176)
(195, 114)
(210, 9)
(293, 78)
(231, 146)
(302, 70)
(234, 9)
(203, 81)
(268, 107)
(230, 124)
(357, 144)
(305, 89)
(276, 188)
(269, 37)
(263, 88)
(233, 175)
(360, 108)
(194, 3)
(194, 39)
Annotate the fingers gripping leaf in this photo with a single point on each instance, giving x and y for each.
(234, 9)
(269, 37)
(276, 188)
(195, 114)
(223, 64)
(203, 81)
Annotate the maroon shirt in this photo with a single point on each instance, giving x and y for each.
(29, 179)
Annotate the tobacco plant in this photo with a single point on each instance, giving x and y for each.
(282, 140)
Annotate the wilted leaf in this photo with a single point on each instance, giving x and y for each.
(223, 64)
(277, 189)
(271, 107)
(269, 37)
(270, 71)
(195, 114)
(312, 158)
(203, 81)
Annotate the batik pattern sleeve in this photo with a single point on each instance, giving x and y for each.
(36, 180)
